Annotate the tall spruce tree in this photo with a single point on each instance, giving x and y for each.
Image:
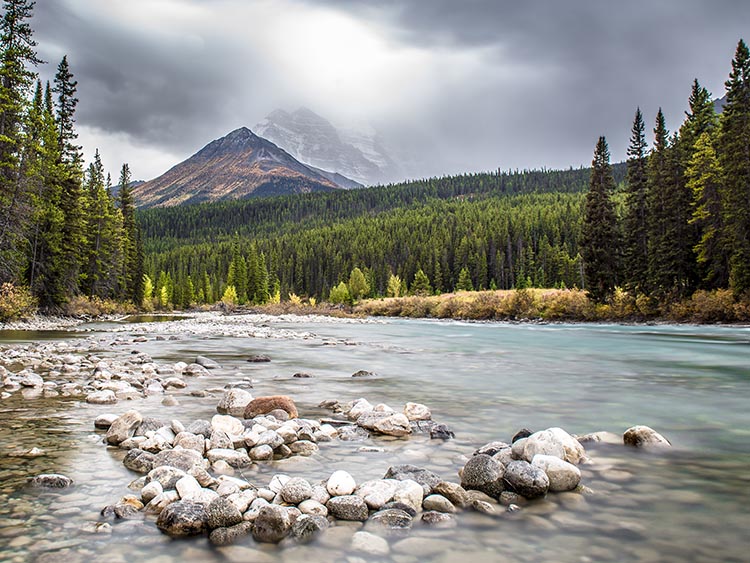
(132, 265)
(599, 244)
(635, 234)
(65, 88)
(17, 49)
(734, 157)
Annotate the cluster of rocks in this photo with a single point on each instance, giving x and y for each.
(382, 419)
(55, 369)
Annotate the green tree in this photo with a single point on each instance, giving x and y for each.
(464, 281)
(734, 157)
(635, 237)
(421, 284)
(17, 49)
(599, 235)
(393, 288)
(339, 295)
(704, 177)
(65, 88)
(132, 265)
(358, 286)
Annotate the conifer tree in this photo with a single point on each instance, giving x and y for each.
(65, 88)
(421, 284)
(599, 243)
(704, 179)
(17, 49)
(132, 265)
(635, 243)
(734, 157)
(262, 293)
(464, 281)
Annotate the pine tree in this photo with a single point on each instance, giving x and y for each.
(734, 157)
(464, 281)
(421, 284)
(132, 265)
(635, 243)
(262, 293)
(599, 243)
(65, 88)
(17, 49)
(704, 177)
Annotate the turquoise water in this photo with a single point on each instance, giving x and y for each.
(486, 381)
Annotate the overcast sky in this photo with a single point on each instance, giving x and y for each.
(468, 85)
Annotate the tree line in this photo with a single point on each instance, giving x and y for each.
(62, 233)
(684, 222)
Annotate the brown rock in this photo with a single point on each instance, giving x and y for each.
(264, 405)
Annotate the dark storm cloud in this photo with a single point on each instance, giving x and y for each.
(516, 84)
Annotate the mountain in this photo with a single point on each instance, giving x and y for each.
(236, 166)
(719, 104)
(357, 154)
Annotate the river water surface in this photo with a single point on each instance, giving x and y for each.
(486, 381)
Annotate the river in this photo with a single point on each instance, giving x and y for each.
(485, 380)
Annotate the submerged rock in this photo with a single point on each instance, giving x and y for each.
(426, 478)
(349, 507)
(50, 481)
(307, 526)
(183, 518)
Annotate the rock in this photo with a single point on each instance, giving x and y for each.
(348, 507)
(427, 479)
(234, 458)
(483, 473)
(603, 437)
(491, 448)
(303, 447)
(261, 453)
(410, 493)
(104, 421)
(219, 439)
(231, 534)
(34, 380)
(358, 408)
(270, 438)
(167, 476)
(525, 479)
(160, 502)
(195, 370)
(508, 498)
(264, 405)
(277, 483)
(222, 513)
(227, 424)
(51, 481)
(259, 358)
(124, 427)
(307, 526)
(139, 461)
(188, 487)
(543, 442)
(189, 441)
(151, 491)
(207, 363)
(353, 434)
(563, 476)
(398, 505)
(272, 524)
(313, 507)
(340, 483)
(234, 401)
(522, 433)
(417, 411)
(182, 518)
(574, 451)
(279, 414)
(504, 456)
(369, 543)
(369, 419)
(441, 432)
(181, 459)
(454, 492)
(394, 425)
(170, 402)
(436, 519)
(483, 507)
(302, 375)
(363, 373)
(391, 519)
(643, 436)
(296, 490)
(377, 492)
(516, 449)
(438, 503)
(320, 494)
(199, 428)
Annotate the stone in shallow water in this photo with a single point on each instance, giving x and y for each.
(183, 518)
(453, 492)
(139, 461)
(491, 448)
(426, 478)
(307, 526)
(231, 534)
(526, 480)
(272, 524)
(222, 513)
(124, 427)
(392, 519)
(181, 459)
(264, 405)
(234, 402)
(370, 543)
(438, 503)
(393, 425)
(377, 492)
(207, 363)
(483, 473)
(563, 476)
(259, 359)
(437, 519)
(644, 436)
(349, 507)
(104, 421)
(340, 483)
(296, 490)
(51, 481)
(417, 411)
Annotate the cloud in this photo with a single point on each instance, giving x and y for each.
(472, 85)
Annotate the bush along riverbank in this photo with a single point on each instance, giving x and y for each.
(191, 479)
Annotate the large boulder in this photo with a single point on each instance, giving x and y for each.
(563, 476)
(525, 479)
(183, 518)
(234, 402)
(272, 524)
(124, 427)
(483, 473)
(264, 405)
(644, 436)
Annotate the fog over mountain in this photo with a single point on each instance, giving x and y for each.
(456, 86)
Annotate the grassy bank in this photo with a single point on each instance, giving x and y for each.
(560, 305)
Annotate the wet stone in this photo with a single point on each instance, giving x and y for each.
(307, 526)
(182, 518)
(50, 481)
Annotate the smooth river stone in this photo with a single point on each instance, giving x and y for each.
(563, 476)
(644, 436)
(340, 483)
